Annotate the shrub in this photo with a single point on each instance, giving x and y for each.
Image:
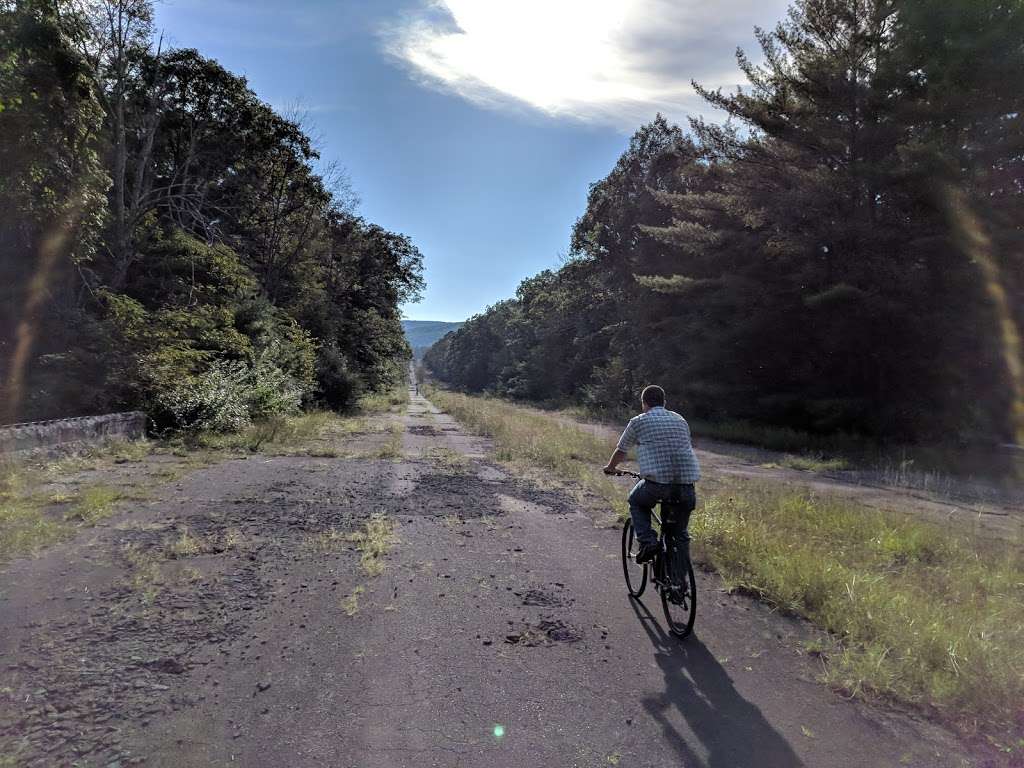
(270, 391)
(214, 400)
(228, 396)
(337, 386)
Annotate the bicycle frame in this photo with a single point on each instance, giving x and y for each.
(658, 574)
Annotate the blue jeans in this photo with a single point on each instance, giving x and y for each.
(646, 494)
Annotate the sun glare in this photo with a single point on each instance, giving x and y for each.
(553, 56)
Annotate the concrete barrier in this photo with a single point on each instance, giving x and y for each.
(85, 430)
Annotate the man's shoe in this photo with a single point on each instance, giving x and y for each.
(647, 553)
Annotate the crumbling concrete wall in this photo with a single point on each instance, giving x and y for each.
(86, 430)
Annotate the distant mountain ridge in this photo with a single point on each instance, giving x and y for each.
(422, 333)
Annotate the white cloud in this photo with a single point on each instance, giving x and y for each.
(609, 61)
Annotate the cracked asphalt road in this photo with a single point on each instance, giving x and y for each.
(500, 634)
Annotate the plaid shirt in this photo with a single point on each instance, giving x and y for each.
(663, 448)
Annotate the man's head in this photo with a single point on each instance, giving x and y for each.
(652, 396)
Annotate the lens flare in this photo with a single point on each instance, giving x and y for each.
(51, 248)
(977, 246)
(499, 731)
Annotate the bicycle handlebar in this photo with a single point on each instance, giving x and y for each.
(625, 473)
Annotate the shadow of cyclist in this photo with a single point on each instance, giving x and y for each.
(732, 730)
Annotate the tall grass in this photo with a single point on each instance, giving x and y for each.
(919, 614)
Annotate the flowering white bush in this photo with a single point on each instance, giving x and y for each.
(229, 395)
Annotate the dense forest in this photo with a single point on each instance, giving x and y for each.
(844, 253)
(166, 239)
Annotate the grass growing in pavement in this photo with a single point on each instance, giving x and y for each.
(94, 504)
(24, 527)
(918, 613)
(448, 461)
(392, 449)
(351, 603)
(28, 522)
(374, 541)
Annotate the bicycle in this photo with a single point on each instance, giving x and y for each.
(671, 571)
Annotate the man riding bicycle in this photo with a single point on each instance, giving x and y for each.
(668, 466)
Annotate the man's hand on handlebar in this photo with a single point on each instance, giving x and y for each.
(620, 472)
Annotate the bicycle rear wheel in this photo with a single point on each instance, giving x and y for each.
(679, 594)
(636, 574)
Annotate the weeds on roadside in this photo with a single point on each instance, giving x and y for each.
(814, 463)
(920, 613)
(330, 540)
(188, 544)
(277, 434)
(27, 521)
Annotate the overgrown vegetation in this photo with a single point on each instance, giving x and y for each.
(166, 242)
(842, 258)
(922, 614)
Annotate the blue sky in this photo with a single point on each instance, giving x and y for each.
(474, 126)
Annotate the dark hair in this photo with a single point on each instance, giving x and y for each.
(652, 396)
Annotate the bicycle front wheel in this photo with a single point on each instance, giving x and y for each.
(636, 574)
(679, 595)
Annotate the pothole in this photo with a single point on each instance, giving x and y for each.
(423, 429)
(545, 632)
(543, 597)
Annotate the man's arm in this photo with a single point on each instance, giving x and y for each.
(627, 440)
(617, 456)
